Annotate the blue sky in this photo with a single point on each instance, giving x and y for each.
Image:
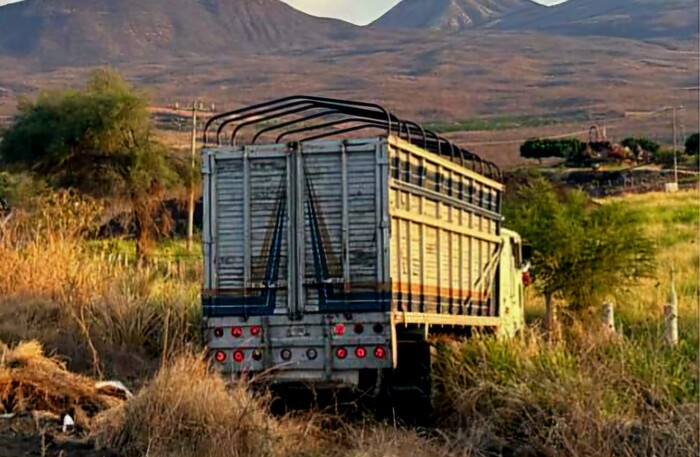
(357, 11)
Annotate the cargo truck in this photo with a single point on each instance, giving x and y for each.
(333, 254)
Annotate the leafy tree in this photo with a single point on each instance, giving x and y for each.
(581, 254)
(692, 144)
(646, 144)
(536, 148)
(97, 141)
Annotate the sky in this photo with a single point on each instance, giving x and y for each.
(360, 12)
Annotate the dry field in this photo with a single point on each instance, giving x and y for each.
(501, 79)
(588, 395)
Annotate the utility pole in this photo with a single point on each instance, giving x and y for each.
(190, 215)
(675, 147)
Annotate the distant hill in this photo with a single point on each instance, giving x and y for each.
(90, 31)
(452, 15)
(635, 19)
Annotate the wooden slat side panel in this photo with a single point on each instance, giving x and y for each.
(229, 200)
(454, 243)
(362, 171)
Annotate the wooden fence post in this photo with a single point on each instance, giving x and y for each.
(671, 315)
(609, 317)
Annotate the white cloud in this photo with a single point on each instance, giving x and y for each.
(357, 11)
(360, 12)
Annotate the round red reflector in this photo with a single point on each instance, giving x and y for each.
(218, 332)
(220, 356)
(255, 330)
(237, 332)
(339, 329)
(527, 279)
(359, 328)
(379, 352)
(341, 353)
(257, 355)
(238, 356)
(360, 352)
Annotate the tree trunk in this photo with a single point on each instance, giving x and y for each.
(142, 229)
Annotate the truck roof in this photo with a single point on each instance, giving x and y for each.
(302, 118)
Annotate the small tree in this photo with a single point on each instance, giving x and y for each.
(580, 254)
(536, 148)
(645, 144)
(692, 144)
(97, 141)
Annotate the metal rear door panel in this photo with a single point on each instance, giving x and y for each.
(291, 229)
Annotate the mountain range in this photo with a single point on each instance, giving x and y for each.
(519, 68)
(88, 31)
(453, 15)
(77, 32)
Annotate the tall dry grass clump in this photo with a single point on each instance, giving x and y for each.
(589, 395)
(58, 287)
(188, 410)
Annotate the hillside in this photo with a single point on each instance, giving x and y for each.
(634, 19)
(452, 15)
(91, 31)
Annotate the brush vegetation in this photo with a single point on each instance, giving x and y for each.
(592, 393)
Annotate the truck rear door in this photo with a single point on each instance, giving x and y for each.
(296, 228)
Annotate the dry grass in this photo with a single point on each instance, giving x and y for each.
(187, 410)
(590, 395)
(102, 315)
(30, 381)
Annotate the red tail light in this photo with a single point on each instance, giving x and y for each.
(341, 353)
(218, 332)
(379, 352)
(360, 352)
(378, 328)
(237, 332)
(220, 356)
(257, 355)
(339, 329)
(359, 328)
(527, 279)
(238, 356)
(255, 330)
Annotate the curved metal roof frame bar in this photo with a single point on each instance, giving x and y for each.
(244, 116)
(311, 117)
(256, 120)
(345, 130)
(333, 109)
(304, 119)
(326, 125)
(298, 99)
(422, 131)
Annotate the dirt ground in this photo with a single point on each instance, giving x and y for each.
(16, 445)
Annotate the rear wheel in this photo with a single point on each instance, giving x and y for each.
(406, 392)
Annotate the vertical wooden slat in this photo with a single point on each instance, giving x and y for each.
(247, 241)
(345, 223)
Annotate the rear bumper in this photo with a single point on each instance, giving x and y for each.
(319, 348)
